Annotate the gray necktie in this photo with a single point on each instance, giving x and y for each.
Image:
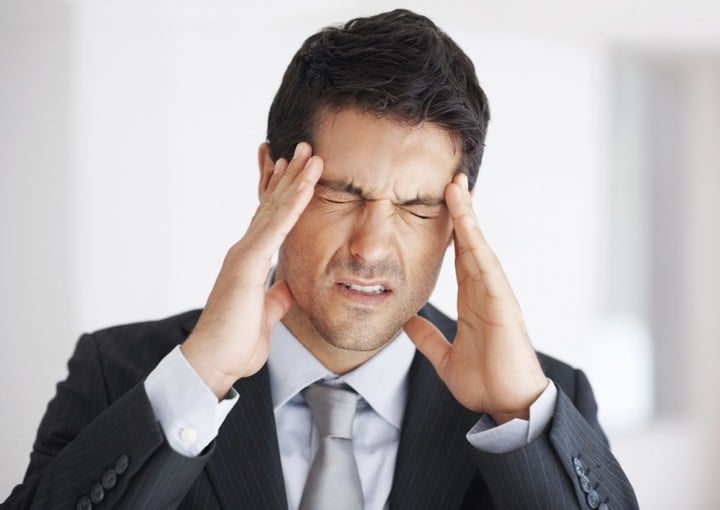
(333, 480)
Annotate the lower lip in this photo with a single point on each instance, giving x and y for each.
(362, 298)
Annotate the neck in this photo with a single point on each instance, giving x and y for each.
(338, 361)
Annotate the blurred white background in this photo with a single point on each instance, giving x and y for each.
(128, 137)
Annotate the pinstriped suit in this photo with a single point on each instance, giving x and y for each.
(101, 413)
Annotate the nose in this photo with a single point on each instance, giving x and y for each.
(373, 237)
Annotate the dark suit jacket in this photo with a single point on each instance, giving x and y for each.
(99, 440)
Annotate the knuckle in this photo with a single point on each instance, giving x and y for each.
(268, 207)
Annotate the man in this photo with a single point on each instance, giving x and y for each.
(374, 142)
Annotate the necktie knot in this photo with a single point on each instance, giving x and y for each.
(333, 479)
(333, 409)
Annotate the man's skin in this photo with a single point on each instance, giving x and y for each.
(372, 202)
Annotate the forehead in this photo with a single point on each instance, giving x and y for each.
(384, 157)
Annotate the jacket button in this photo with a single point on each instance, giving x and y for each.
(593, 499)
(97, 494)
(122, 464)
(83, 504)
(109, 479)
(585, 483)
(579, 466)
(603, 506)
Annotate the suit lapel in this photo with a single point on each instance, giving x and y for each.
(434, 464)
(245, 469)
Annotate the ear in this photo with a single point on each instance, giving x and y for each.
(266, 166)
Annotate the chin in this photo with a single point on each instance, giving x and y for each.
(357, 337)
(358, 346)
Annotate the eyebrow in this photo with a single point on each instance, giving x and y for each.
(353, 189)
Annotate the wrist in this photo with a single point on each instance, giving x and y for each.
(501, 418)
(216, 379)
(523, 411)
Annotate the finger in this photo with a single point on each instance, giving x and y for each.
(278, 301)
(279, 212)
(474, 259)
(429, 340)
(280, 166)
(302, 154)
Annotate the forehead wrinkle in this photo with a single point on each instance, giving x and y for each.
(349, 186)
(342, 185)
(370, 182)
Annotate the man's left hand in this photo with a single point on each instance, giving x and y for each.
(491, 366)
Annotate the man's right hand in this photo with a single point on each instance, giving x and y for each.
(231, 338)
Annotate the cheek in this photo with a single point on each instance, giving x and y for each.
(434, 237)
(313, 239)
(424, 250)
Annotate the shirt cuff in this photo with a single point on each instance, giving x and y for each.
(488, 436)
(188, 411)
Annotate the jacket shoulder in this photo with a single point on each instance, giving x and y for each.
(128, 352)
(182, 322)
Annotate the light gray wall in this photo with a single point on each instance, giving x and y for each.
(36, 317)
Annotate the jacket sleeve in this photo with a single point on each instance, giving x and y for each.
(93, 453)
(569, 466)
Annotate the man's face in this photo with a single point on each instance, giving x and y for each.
(366, 252)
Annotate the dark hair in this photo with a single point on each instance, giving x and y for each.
(397, 64)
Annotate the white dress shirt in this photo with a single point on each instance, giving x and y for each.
(190, 414)
(382, 384)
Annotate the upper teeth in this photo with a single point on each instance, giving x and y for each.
(371, 289)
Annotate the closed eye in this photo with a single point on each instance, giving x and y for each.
(423, 212)
(337, 201)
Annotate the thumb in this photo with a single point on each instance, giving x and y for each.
(278, 301)
(429, 341)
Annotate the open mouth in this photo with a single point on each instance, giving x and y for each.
(365, 289)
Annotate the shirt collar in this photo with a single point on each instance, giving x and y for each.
(381, 381)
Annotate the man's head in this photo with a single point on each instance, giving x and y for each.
(393, 108)
(395, 65)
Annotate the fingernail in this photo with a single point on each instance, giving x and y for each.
(298, 150)
(278, 164)
(466, 184)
